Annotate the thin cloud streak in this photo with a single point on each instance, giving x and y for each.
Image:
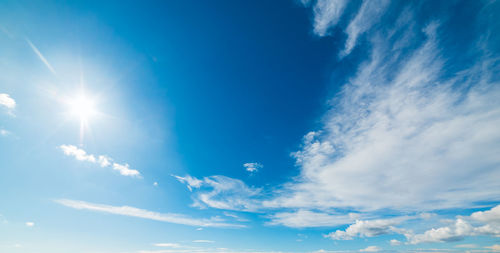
(40, 55)
(145, 214)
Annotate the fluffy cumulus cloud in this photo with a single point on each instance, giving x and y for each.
(252, 167)
(104, 161)
(222, 193)
(145, 214)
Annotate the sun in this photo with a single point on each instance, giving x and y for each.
(82, 107)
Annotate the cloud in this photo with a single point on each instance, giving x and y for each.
(102, 160)
(466, 246)
(155, 184)
(222, 193)
(370, 249)
(462, 227)
(203, 241)
(399, 136)
(30, 224)
(40, 55)
(477, 224)
(190, 182)
(7, 101)
(495, 247)
(4, 132)
(367, 228)
(326, 14)
(252, 167)
(125, 170)
(395, 242)
(306, 218)
(78, 154)
(169, 245)
(145, 214)
(369, 13)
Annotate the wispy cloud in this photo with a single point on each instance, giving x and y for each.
(398, 126)
(306, 218)
(40, 55)
(104, 161)
(368, 14)
(145, 214)
(30, 224)
(203, 241)
(326, 14)
(222, 192)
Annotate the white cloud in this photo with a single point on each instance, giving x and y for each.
(40, 55)
(368, 14)
(79, 154)
(367, 228)
(155, 184)
(399, 127)
(466, 246)
(395, 242)
(306, 218)
(191, 182)
(370, 249)
(252, 167)
(102, 160)
(495, 248)
(461, 228)
(145, 214)
(4, 132)
(30, 224)
(222, 193)
(489, 216)
(477, 224)
(326, 14)
(125, 170)
(203, 241)
(7, 101)
(169, 245)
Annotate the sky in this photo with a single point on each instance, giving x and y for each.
(313, 126)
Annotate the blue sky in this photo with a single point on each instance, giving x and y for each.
(249, 126)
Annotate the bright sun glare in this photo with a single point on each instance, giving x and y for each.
(82, 107)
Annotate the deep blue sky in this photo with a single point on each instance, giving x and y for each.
(244, 126)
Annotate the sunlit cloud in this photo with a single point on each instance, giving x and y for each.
(30, 224)
(7, 101)
(103, 160)
(145, 214)
(40, 55)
